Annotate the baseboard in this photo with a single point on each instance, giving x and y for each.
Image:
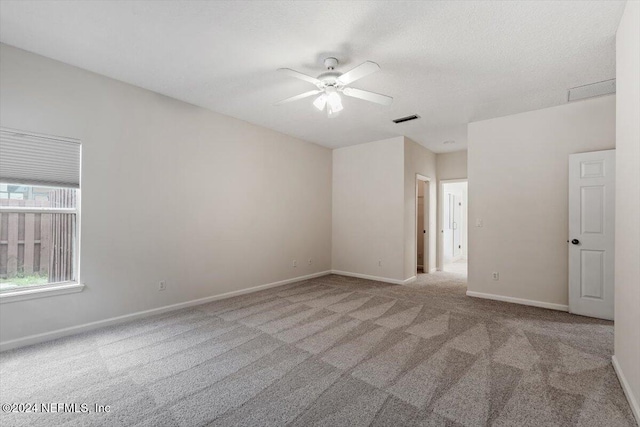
(633, 401)
(521, 301)
(409, 280)
(376, 278)
(59, 333)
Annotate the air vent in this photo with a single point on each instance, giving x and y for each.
(406, 119)
(591, 90)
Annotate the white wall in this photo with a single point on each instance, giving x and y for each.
(374, 207)
(452, 165)
(368, 219)
(170, 191)
(518, 179)
(418, 160)
(627, 313)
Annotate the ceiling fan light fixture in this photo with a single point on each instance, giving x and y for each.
(334, 102)
(320, 102)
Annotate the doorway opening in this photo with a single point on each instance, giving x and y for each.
(454, 226)
(422, 225)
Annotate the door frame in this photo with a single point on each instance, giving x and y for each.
(426, 265)
(440, 243)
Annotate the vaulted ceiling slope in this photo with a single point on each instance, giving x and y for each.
(449, 62)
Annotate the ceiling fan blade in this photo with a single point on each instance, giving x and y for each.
(359, 72)
(368, 96)
(295, 98)
(297, 75)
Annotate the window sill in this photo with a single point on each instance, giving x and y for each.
(27, 294)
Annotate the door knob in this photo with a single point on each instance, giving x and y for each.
(575, 241)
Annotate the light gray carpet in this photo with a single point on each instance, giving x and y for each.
(333, 351)
(459, 267)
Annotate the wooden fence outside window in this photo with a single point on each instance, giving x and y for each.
(39, 243)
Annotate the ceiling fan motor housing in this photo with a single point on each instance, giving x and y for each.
(329, 78)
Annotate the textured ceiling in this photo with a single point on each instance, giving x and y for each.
(449, 62)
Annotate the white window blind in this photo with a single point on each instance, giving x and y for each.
(32, 159)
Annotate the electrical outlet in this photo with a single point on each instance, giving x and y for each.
(310, 261)
(379, 263)
(295, 263)
(162, 285)
(495, 275)
(479, 222)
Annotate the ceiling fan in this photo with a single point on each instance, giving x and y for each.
(331, 84)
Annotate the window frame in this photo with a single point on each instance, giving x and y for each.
(54, 288)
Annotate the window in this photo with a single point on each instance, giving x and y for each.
(39, 211)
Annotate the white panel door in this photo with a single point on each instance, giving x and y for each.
(591, 233)
(447, 229)
(457, 220)
(426, 265)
